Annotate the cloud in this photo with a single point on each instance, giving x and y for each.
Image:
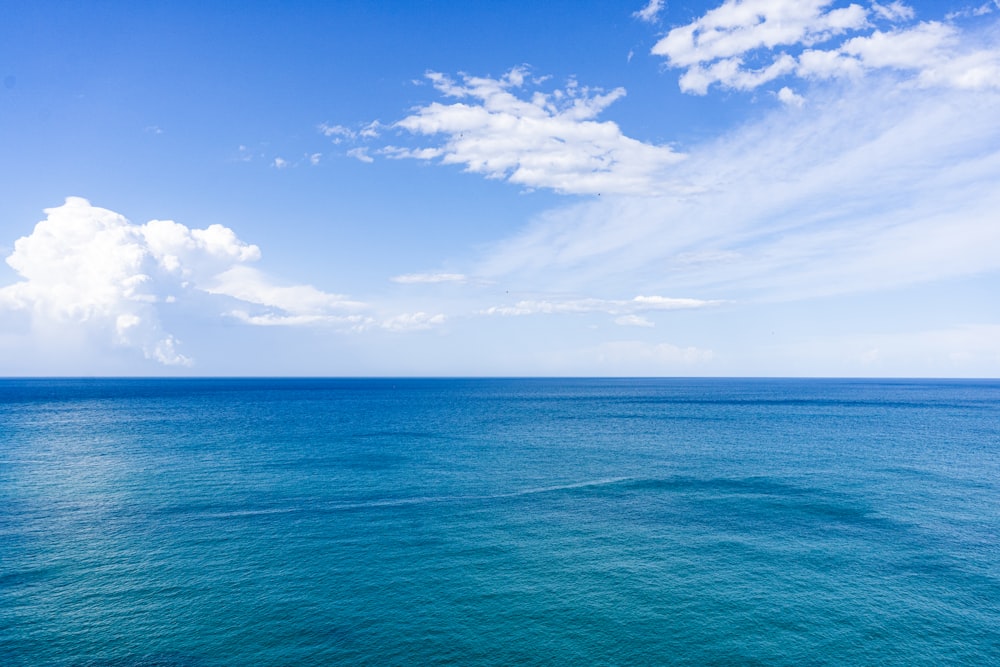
(789, 97)
(336, 133)
(252, 286)
(361, 153)
(535, 139)
(84, 264)
(608, 306)
(894, 11)
(354, 323)
(89, 267)
(650, 12)
(746, 44)
(280, 163)
(412, 322)
(981, 10)
(874, 185)
(740, 26)
(633, 321)
(413, 278)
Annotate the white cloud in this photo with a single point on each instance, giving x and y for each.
(608, 306)
(894, 11)
(336, 133)
(746, 44)
(737, 27)
(790, 97)
(252, 286)
(354, 323)
(280, 163)
(412, 278)
(650, 12)
(633, 321)
(340, 133)
(981, 10)
(371, 130)
(412, 322)
(360, 153)
(89, 267)
(872, 186)
(538, 139)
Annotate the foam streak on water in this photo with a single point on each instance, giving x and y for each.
(497, 522)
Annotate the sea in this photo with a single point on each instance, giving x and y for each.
(211, 522)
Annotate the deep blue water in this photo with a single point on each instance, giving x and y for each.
(499, 522)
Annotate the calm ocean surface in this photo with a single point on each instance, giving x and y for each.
(499, 522)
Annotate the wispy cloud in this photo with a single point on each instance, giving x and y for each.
(608, 306)
(633, 321)
(413, 321)
(360, 153)
(252, 286)
(872, 185)
(413, 278)
(650, 12)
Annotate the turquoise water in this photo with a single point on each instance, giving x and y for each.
(499, 522)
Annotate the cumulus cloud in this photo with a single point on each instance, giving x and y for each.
(503, 129)
(90, 267)
(790, 97)
(744, 44)
(86, 264)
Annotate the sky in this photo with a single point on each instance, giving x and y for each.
(586, 188)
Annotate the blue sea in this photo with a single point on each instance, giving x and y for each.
(212, 522)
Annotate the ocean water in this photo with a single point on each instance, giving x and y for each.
(499, 522)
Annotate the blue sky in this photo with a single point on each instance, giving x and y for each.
(764, 188)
